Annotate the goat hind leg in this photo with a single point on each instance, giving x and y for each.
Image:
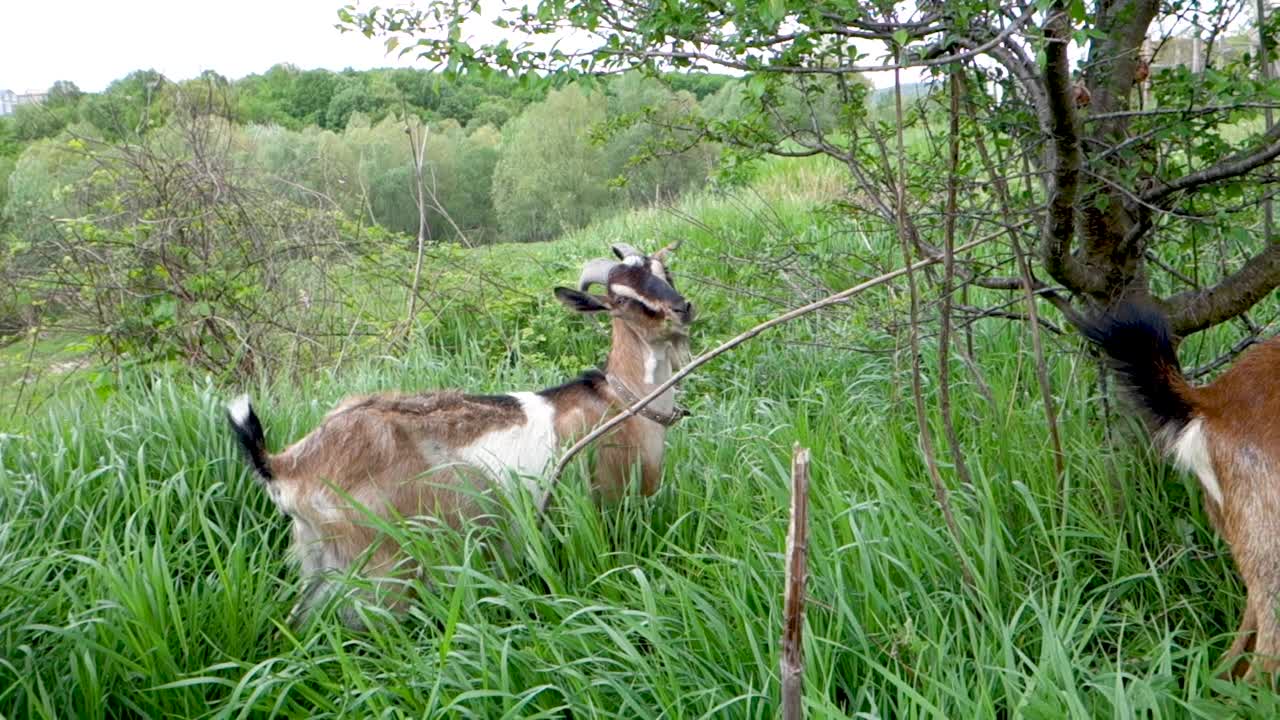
(1244, 642)
(1265, 599)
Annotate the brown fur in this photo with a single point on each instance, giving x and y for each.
(1241, 416)
(370, 449)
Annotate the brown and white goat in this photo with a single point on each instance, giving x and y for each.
(436, 454)
(1228, 434)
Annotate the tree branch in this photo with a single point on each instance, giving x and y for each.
(1062, 159)
(1234, 166)
(1196, 310)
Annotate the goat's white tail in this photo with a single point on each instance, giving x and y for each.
(248, 430)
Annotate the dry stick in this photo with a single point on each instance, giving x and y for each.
(836, 299)
(1028, 286)
(913, 337)
(791, 661)
(948, 276)
(418, 150)
(1264, 69)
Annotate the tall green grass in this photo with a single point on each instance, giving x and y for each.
(142, 571)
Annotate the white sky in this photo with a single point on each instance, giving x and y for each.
(92, 42)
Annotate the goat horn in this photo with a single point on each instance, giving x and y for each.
(624, 251)
(662, 254)
(595, 271)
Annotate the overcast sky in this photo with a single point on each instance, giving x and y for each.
(92, 42)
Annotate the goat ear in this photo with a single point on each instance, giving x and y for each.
(580, 301)
(624, 251)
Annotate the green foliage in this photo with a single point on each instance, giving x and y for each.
(63, 93)
(337, 140)
(10, 146)
(144, 570)
(312, 92)
(7, 165)
(459, 172)
(556, 179)
(653, 162)
(801, 95)
(51, 180)
(133, 105)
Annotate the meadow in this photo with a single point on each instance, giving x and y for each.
(143, 573)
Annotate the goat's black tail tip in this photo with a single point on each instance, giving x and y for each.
(1139, 345)
(248, 429)
(1130, 328)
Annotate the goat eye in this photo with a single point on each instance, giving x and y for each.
(644, 308)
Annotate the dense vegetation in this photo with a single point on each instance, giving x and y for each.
(305, 235)
(152, 217)
(341, 135)
(142, 571)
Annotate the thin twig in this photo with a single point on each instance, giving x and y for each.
(1264, 71)
(1029, 288)
(835, 299)
(922, 417)
(948, 277)
(418, 149)
(1241, 345)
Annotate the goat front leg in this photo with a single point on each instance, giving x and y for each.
(317, 590)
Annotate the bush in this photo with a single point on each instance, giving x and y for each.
(551, 177)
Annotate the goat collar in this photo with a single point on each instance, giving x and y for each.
(629, 398)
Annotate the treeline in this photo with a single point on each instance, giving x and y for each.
(210, 221)
(505, 160)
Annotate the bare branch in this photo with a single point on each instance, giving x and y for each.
(1198, 309)
(956, 83)
(940, 491)
(1233, 166)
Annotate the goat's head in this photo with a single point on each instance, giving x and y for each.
(639, 292)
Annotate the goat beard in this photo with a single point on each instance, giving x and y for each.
(681, 355)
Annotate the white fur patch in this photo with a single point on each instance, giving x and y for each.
(239, 410)
(325, 509)
(655, 358)
(283, 496)
(526, 449)
(627, 292)
(633, 260)
(1191, 451)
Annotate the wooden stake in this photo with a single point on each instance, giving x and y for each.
(792, 657)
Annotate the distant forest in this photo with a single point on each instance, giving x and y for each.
(158, 214)
(507, 159)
